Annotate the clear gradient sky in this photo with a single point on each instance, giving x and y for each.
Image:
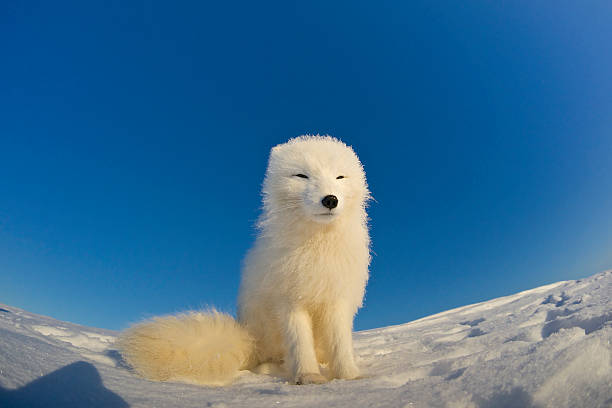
(134, 138)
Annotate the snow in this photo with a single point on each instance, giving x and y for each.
(545, 347)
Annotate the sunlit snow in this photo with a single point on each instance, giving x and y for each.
(545, 347)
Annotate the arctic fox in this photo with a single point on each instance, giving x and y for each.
(302, 282)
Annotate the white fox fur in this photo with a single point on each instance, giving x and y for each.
(302, 282)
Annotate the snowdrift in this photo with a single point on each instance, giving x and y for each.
(545, 347)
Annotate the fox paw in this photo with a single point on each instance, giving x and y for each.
(346, 372)
(310, 378)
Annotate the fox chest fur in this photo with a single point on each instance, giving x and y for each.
(328, 266)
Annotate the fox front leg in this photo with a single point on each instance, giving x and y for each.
(338, 337)
(299, 345)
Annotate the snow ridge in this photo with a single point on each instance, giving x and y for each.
(545, 347)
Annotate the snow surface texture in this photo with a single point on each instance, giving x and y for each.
(545, 347)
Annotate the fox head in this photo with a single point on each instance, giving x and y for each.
(316, 179)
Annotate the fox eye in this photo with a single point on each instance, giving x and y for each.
(301, 175)
(339, 177)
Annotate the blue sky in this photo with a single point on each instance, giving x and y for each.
(134, 138)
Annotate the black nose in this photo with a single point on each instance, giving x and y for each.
(330, 201)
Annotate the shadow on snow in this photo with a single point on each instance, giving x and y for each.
(75, 385)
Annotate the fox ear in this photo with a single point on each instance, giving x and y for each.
(275, 150)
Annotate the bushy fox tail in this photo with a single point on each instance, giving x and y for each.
(204, 348)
